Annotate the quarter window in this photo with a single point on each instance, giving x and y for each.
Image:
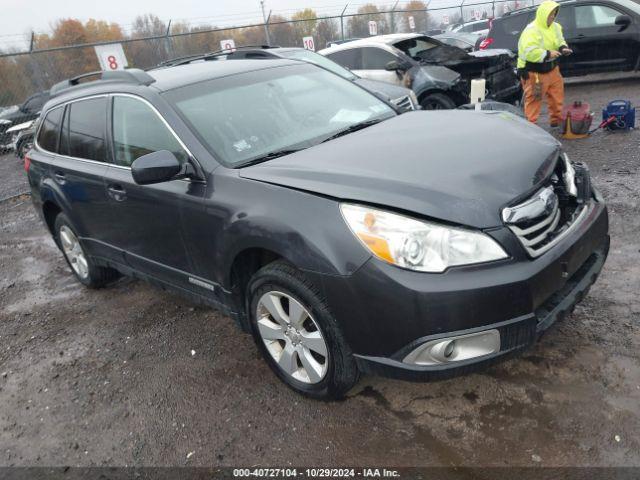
(84, 128)
(137, 131)
(50, 130)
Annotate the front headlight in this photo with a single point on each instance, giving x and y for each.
(414, 99)
(416, 244)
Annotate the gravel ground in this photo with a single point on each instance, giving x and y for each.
(107, 377)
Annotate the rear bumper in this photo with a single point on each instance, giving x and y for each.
(387, 312)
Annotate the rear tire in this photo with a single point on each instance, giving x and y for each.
(82, 266)
(437, 101)
(301, 340)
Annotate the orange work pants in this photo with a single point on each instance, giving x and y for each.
(539, 86)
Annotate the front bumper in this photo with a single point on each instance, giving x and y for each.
(386, 312)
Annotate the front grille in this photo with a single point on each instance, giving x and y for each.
(542, 220)
(404, 103)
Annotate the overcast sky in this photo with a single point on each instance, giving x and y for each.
(22, 16)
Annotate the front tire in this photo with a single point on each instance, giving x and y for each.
(437, 101)
(82, 266)
(297, 334)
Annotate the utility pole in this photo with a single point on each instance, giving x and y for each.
(266, 28)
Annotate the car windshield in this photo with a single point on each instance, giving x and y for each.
(248, 117)
(414, 47)
(317, 59)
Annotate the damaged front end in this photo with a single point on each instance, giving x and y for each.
(445, 67)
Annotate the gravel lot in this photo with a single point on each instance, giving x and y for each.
(107, 377)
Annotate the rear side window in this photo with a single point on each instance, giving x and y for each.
(348, 58)
(138, 130)
(83, 131)
(50, 130)
(376, 58)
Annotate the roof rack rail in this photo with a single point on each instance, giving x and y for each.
(130, 75)
(174, 62)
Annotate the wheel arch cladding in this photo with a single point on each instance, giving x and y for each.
(50, 211)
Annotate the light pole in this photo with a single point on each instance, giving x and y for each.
(266, 28)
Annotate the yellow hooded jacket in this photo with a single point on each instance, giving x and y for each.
(538, 38)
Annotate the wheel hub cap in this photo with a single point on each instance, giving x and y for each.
(292, 337)
(73, 251)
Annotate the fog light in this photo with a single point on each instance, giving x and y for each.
(448, 350)
(455, 349)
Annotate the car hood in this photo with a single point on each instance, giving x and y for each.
(387, 89)
(457, 166)
(449, 55)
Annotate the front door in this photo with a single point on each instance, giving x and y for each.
(597, 42)
(374, 62)
(147, 220)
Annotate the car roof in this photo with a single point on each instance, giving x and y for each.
(389, 39)
(181, 75)
(167, 78)
(532, 7)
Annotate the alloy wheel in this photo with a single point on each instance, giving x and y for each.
(292, 337)
(73, 251)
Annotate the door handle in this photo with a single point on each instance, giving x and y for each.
(117, 192)
(59, 177)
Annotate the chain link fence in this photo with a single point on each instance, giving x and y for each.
(37, 68)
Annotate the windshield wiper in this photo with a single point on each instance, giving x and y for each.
(353, 128)
(269, 156)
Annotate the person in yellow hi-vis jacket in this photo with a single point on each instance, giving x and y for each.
(540, 45)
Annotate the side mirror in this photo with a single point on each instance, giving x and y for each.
(155, 167)
(623, 21)
(395, 66)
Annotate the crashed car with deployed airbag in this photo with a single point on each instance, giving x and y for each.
(439, 74)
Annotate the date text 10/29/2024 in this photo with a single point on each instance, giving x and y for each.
(315, 473)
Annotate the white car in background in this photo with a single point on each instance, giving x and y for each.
(477, 27)
(439, 74)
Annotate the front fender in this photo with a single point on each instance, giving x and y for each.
(306, 229)
(432, 77)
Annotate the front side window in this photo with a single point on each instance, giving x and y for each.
(594, 16)
(376, 58)
(50, 130)
(83, 130)
(243, 118)
(138, 130)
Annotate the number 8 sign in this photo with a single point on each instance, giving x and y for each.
(111, 57)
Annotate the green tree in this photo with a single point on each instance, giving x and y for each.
(418, 10)
(307, 27)
(359, 23)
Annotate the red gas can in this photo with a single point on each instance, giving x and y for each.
(576, 119)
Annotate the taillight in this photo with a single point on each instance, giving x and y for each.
(27, 163)
(484, 44)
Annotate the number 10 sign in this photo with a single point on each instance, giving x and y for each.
(111, 57)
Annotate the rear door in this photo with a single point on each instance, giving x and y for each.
(147, 220)
(598, 43)
(79, 167)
